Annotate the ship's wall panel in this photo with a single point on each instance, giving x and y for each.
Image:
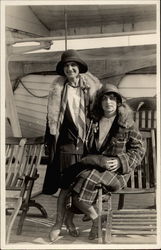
(32, 111)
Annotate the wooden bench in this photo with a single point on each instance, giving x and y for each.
(142, 181)
(23, 156)
(145, 118)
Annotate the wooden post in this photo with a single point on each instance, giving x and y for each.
(154, 159)
(99, 215)
(66, 29)
(109, 220)
(11, 111)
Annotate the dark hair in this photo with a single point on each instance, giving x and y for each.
(97, 111)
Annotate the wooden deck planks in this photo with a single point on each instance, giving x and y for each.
(36, 229)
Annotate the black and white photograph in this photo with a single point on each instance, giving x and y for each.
(80, 124)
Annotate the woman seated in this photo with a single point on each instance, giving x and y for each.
(114, 148)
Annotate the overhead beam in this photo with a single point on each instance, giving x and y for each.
(104, 42)
(59, 38)
(89, 54)
(87, 44)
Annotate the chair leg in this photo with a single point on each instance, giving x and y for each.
(33, 203)
(21, 220)
(12, 219)
(121, 201)
(109, 220)
(100, 240)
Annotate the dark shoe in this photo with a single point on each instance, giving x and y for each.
(103, 218)
(54, 234)
(73, 232)
(93, 234)
(72, 229)
(86, 218)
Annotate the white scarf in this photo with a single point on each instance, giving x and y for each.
(104, 127)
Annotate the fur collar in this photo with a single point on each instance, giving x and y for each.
(55, 93)
(125, 116)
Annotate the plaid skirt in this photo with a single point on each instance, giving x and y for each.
(87, 181)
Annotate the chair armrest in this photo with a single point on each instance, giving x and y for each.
(99, 185)
(27, 178)
(33, 178)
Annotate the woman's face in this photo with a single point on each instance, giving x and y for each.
(71, 70)
(109, 103)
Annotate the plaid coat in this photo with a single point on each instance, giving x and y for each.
(123, 141)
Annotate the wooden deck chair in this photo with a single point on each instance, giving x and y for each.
(142, 181)
(23, 156)
(145, 118)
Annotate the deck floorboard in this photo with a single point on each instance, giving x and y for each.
(36, 228)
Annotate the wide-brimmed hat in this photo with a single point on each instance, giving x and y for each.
(71, 56)
(110, 88)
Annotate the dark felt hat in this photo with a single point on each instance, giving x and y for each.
(110, 88)
(71, 56)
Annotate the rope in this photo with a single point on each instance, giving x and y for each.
(19, 81)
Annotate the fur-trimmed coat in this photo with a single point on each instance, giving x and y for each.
(53, 146)
(91, 84)
(123, 141)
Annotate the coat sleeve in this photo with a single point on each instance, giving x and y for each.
(49, 142)
(47, 131)
(135, 150)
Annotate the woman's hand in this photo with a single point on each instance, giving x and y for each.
(110, 163)
(113, 164)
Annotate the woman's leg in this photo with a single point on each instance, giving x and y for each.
(84, 207)
(55, 231)
(91, 213)
(69, 216)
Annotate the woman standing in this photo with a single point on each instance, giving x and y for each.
(69, 103)
(114, 148)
